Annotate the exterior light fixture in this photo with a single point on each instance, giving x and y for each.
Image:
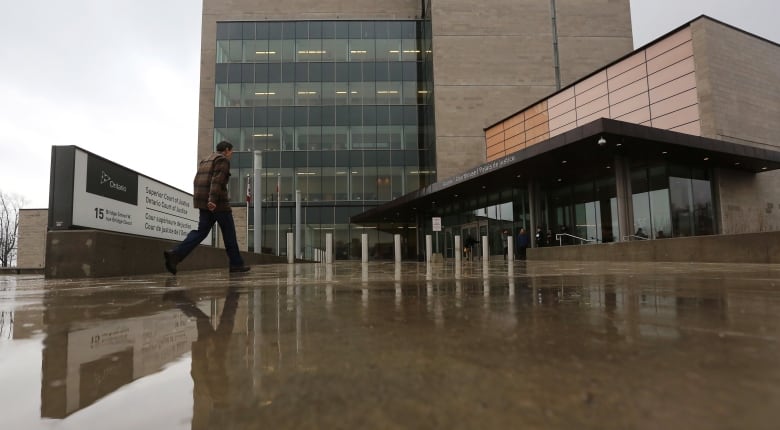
(706, 158)
(602, 141)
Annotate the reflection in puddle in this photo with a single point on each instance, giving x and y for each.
(267, 346)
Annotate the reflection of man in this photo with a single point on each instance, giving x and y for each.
(209, 372)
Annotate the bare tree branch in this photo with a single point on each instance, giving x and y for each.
(9, 226)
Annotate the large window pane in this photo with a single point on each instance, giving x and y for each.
(681, 200)
(704, 212)
(362, 50)
(335, 50)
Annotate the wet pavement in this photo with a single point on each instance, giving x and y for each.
(526, 345)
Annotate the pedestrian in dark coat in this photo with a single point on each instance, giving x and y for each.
(523, 241)
(211, 198)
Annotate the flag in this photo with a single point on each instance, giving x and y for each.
(248, 190)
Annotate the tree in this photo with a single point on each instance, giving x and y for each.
(9, 226)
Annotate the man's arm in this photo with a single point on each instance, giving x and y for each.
(219, 180)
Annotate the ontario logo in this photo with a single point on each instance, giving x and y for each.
(111, 180)
(105, 178)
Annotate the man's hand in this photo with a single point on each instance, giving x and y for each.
(212, 206)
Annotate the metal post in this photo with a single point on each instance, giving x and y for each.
(278, 212)
(364, 248)
(485, 250)
(248, 199)
(258, 217)
(458, 251)
(290, 244)
(510, 250)
(428, 248)
(329, 248)
(298, 253)
(397, 240)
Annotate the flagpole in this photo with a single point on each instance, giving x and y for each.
(278, 211)
(248, 198)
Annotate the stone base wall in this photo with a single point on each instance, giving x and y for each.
(736, 248)
(93, 253)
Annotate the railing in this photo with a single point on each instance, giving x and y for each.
(559, 238)
(633, 236)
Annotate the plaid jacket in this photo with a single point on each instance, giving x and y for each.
(211, 183)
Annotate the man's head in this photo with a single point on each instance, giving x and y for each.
(225, 148)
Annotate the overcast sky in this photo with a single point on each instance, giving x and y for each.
(120, 78)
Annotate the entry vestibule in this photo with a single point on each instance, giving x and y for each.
(664, 200)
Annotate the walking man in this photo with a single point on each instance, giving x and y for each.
(211, 198)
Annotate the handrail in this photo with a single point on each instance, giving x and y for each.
(630, 236)
(558, 237)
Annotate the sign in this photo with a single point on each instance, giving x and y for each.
(108, 196)
(436, 223)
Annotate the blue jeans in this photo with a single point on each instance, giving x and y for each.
(206, 221)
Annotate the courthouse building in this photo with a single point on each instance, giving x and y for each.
(528, 114)
(358, 103)
(680, 138)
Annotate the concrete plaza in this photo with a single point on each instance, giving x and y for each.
(523, 345)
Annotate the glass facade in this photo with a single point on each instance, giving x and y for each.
(341, 111)
(671, 201)
(667, 200)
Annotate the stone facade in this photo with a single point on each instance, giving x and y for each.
(488, 58)
(32, 238)
(491, 59)
(737, 80)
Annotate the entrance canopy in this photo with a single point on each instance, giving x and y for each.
(575, 154)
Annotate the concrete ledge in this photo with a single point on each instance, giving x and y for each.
(737, 248)
(21, 270)
(95, 253)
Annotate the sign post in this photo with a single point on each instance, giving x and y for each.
(436, 221)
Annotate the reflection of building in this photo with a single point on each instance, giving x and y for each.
(358, 106)
(679, 138)
(82, 365)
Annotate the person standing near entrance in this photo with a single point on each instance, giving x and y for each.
(522, 243)
(505, 241)
(211, 198)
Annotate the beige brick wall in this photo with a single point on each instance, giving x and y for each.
(31, 240)
(737, 77)
(739, 99)
(591, 33)
(748, 203)
(491, 60)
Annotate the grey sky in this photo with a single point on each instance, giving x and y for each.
(120, 78)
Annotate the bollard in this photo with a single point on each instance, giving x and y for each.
(397, 243)
(428, 248)
(511, 276)
(510, 251)
(458, 251)
(485, 250)
(364, 247)
(290, 248)
(329, 248)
